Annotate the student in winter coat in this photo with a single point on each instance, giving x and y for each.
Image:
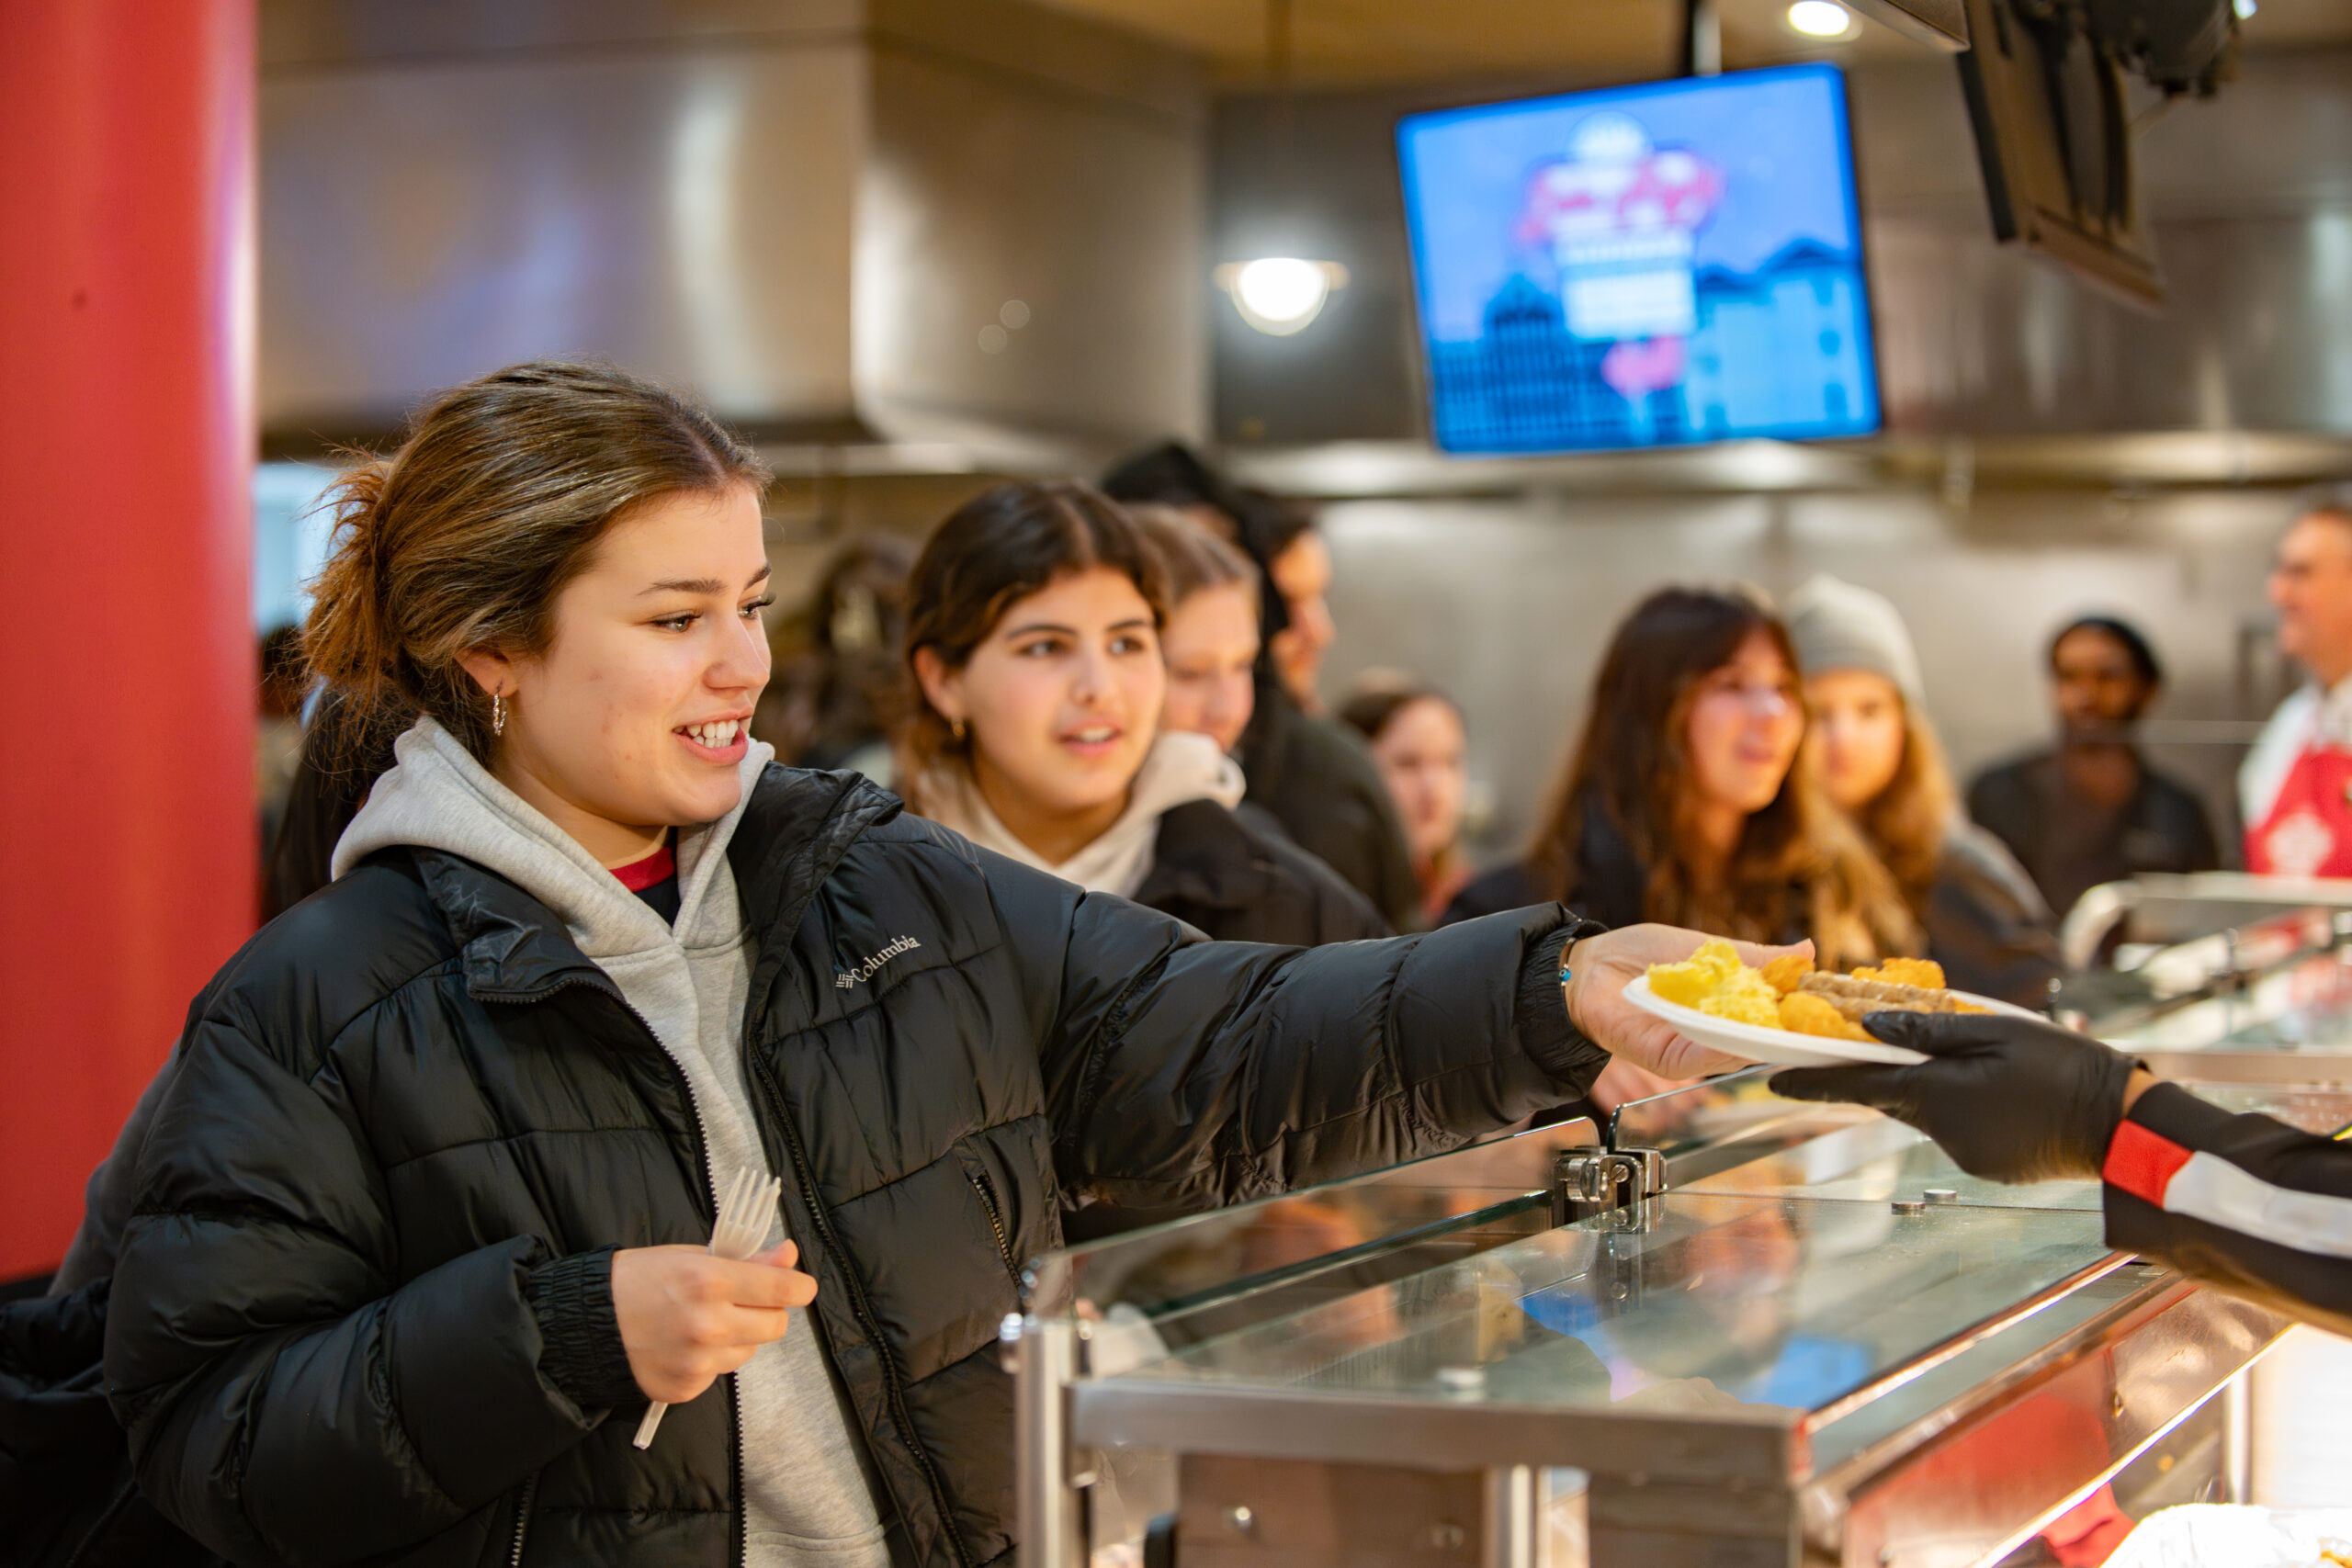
(1310, 774)
(1875, 754)
(1682, 802)
(1032, 632)
(422, 1219)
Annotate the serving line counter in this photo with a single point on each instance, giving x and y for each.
(1727, 1329)
(2245, 984)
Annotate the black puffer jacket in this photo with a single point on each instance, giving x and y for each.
(1319, 782)
(1233, 881)
(364, 1310)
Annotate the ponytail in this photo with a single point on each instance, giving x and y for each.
(348, 642)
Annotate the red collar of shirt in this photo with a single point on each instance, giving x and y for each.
(656, 868)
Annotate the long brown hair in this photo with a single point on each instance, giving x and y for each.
(992, 552)
(462, 538)
(1907, 823)
(1631, 763)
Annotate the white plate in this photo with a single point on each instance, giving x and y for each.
(1753, 1042)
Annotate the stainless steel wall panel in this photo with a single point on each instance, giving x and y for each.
(688, 214)
(982, 193)
(1980, 340)
(2251, 193)
(812, 211)
(342, 33)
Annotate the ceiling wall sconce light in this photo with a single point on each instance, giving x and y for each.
(1281, 294)
(1821, 19)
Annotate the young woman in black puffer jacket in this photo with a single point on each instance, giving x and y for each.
(421, 1220)
(1036, 729)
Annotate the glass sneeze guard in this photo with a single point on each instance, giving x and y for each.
(1789, 1322)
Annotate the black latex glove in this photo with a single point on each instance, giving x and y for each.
(2009, 1099)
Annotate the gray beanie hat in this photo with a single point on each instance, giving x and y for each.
(1837, 625)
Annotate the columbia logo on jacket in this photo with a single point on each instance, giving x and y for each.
(857, 972)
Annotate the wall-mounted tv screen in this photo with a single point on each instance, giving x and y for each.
(1642, 267)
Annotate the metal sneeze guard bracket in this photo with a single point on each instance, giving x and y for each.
(1622, 1183)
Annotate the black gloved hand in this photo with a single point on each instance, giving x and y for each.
(2009, 1099)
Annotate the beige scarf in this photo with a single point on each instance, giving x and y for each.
(1178, 769)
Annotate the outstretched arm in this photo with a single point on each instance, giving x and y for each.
(1186, 1073)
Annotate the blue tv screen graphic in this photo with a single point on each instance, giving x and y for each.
(1642, 266)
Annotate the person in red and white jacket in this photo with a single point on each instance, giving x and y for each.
(2295, 785)
(2244, 1202)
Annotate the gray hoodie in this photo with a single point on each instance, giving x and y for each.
(806, 1501)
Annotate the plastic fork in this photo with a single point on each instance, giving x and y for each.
(744, 1219)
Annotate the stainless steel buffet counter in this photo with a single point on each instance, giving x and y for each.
(1725, 1329)
(1836, 1349)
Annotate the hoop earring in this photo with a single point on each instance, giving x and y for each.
(956, 729)
(497, 713)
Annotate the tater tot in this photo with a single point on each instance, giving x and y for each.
(1804, 1013)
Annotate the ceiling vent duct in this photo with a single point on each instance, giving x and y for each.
(967, 226)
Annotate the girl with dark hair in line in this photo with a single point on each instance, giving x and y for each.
(1682, 802)
(1033, 634)
(421, 1219)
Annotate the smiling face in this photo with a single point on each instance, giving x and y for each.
(1211, 648)
(1745, 721)
(633, 718)
(1422, 756)
(1860, 727)
(1060, 702)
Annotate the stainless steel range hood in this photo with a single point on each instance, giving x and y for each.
(971, 226)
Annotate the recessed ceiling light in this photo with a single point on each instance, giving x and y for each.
(1281, 294)
(1821, 19)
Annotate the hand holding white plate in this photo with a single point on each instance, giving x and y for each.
(1781, 1048)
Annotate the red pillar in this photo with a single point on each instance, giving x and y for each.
(127, 830)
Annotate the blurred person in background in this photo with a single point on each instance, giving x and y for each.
(1032, 636)
(2295, 786)
(342, 757)
(1874, 750)
(1420, 745)
(277, 732)
(834, 699)
(1298, 565)
(1681, 801)
(1210, 643)
(1312, 774)
(2091, 810)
